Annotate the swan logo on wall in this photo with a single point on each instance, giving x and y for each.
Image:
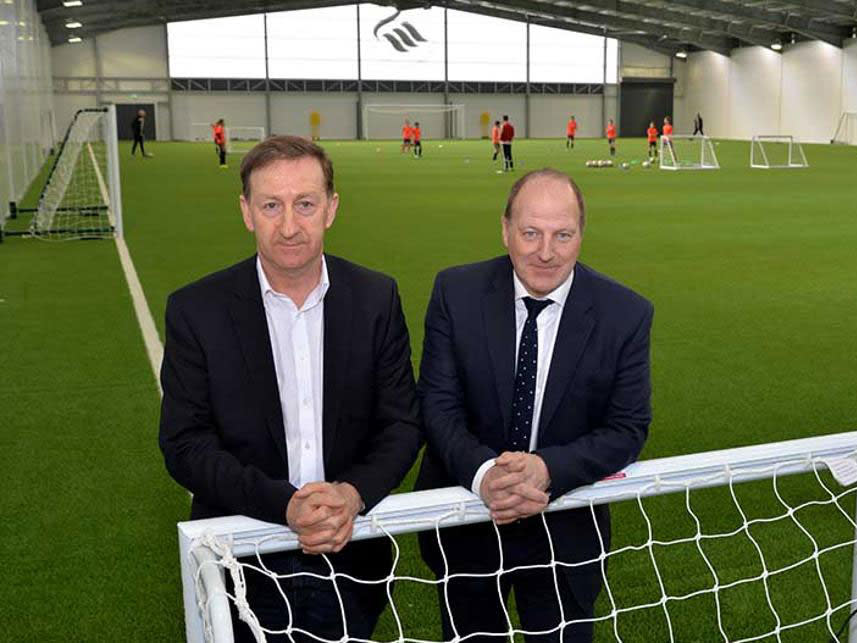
(402, 37)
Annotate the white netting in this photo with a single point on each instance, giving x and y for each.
(683, 152)
(436, 121)
(769, 152)
(695, 555)
(241, 139)
(846, 129)
(80, 196)
(201, 132)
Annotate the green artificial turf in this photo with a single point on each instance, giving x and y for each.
(752, 273)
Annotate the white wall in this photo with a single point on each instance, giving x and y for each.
(549, 114)
(290, 114)
(849, 76)
(800, 92)
(238, 110)
(812, 90)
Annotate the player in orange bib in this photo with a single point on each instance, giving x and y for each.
(611, 136)
(668, 133)
(495, 139)
(417, 135)
(652, 137)
(407, 134)
(218, 131)
(570, 131)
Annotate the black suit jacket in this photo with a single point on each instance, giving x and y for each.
(596, 406)
(221, 428)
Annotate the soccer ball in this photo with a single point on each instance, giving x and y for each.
(626, 166)
(646, 164)
(589, 164)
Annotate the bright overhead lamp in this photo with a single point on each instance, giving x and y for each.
(776, 45)
(72, 3)
(73, 25)
(681, 54)
(75, 39)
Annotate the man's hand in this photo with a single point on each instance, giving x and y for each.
(515, 487)
(322, 514)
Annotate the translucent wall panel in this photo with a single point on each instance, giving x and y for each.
(486, 48)
(407, 47)
(612, 60)
(313, 43)
(562, 56)
(25, 99)
(218, 48)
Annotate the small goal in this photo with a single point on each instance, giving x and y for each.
(771, 152)
(686, 152)
(242, 139)
(438, 121)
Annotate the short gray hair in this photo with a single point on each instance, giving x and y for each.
(546, 173)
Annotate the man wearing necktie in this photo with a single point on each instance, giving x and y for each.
(534, 381)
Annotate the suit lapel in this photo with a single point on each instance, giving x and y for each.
(251, 325)
(499, 320)
(575, 327)
(338, 310)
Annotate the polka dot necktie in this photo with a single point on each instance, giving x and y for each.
(525, 377)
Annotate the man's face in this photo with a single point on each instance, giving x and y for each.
(289, 211)
(543, 234)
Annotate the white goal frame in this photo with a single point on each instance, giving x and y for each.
(412, 112)
(76, 148)
(846, 129)
(242, 134)
(759, 159)
(203, 542)
(706, 159)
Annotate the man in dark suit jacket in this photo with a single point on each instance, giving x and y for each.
(534, 381)
(289, 394)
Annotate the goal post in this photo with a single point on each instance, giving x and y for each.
(774, 151)
(846, 129)
(210, 549)
(687, 152)
(243, 138)
(437, 121)
(81, 197)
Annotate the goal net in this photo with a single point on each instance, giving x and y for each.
(201, 133)
(846, 129)
(81, 198)
(747, 544)
(436, 121)
(241, 139)
(768, 152)
(684, 152)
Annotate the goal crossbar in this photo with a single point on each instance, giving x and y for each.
(454, 506)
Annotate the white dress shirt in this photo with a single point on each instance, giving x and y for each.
(297, 343)
(547, 324)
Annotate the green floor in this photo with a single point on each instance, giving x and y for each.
(753, 275)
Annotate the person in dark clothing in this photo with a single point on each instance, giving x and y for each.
(697, 125)
(137, 126)
(507, 135)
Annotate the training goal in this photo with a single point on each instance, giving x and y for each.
(846, 129)
(767, 152)
(436, 121)
(686, 152)
(81, 198)
(242, 139)
(747, 544)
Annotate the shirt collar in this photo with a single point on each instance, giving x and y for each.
(558, 295)
(316, 296)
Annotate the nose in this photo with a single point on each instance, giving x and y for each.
(545, 249)
(288, 224)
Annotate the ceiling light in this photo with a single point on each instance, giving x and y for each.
(3, 23)
(681, 54)
(776, 45)
(73, 25)
(74, 39)
(72, 3)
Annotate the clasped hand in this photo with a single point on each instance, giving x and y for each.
(515, 487)
(322, 514)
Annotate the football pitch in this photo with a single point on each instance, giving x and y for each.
(753, 275)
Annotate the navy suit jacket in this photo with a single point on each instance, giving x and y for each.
(222, 430)
(596, 406)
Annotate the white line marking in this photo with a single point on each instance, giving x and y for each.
(154, 348)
